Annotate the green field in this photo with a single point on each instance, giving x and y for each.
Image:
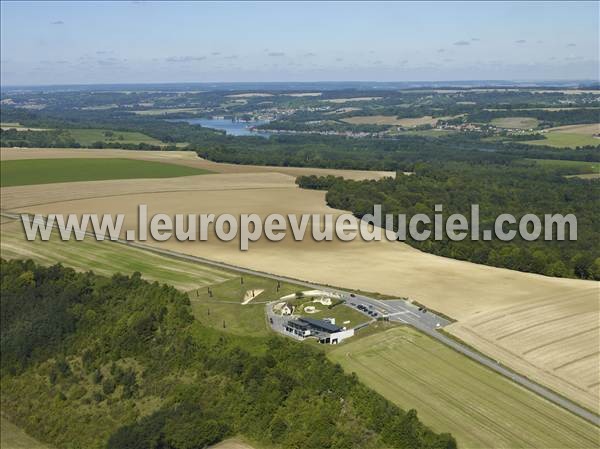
(106, 258)
(515, 122)
(11, 437)
(575, 166)
(454, 394)
(47, 171)
(87, 137)
(565, 140)
(225, 304)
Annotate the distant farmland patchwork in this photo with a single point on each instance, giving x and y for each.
(453, 393)
(46, 171)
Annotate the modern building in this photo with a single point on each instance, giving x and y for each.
(324, 331)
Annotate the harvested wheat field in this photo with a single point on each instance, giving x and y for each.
(475, 295)
(555, 339)
(586, 130)
(394, 121)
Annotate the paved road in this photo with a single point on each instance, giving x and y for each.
(397, 310)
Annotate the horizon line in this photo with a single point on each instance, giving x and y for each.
(129, 83)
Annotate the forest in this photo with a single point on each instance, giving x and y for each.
(514, 188)
(120, 363)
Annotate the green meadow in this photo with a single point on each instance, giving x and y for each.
(455, 394)
(576, 167)
(87, 137)
(565, 140)
(47, 171)
(106, 258)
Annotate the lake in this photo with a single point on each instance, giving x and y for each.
(230, 127)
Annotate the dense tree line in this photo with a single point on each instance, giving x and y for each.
(516, 189)
(321, 126)
(62, 139)
(546, 117)
(120, 363)
(337, 152)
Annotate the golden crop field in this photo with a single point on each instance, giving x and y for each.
(585, 130)
(393, 120)
(555, 340)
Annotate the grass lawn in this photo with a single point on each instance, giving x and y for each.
(515, 122)
(565, 140)
(454, 394)
(106, 258)
(225, 304)
(345, 316)
(88, 137)
(12, 437)
(46, 171)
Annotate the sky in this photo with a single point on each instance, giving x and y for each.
(150, 42)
